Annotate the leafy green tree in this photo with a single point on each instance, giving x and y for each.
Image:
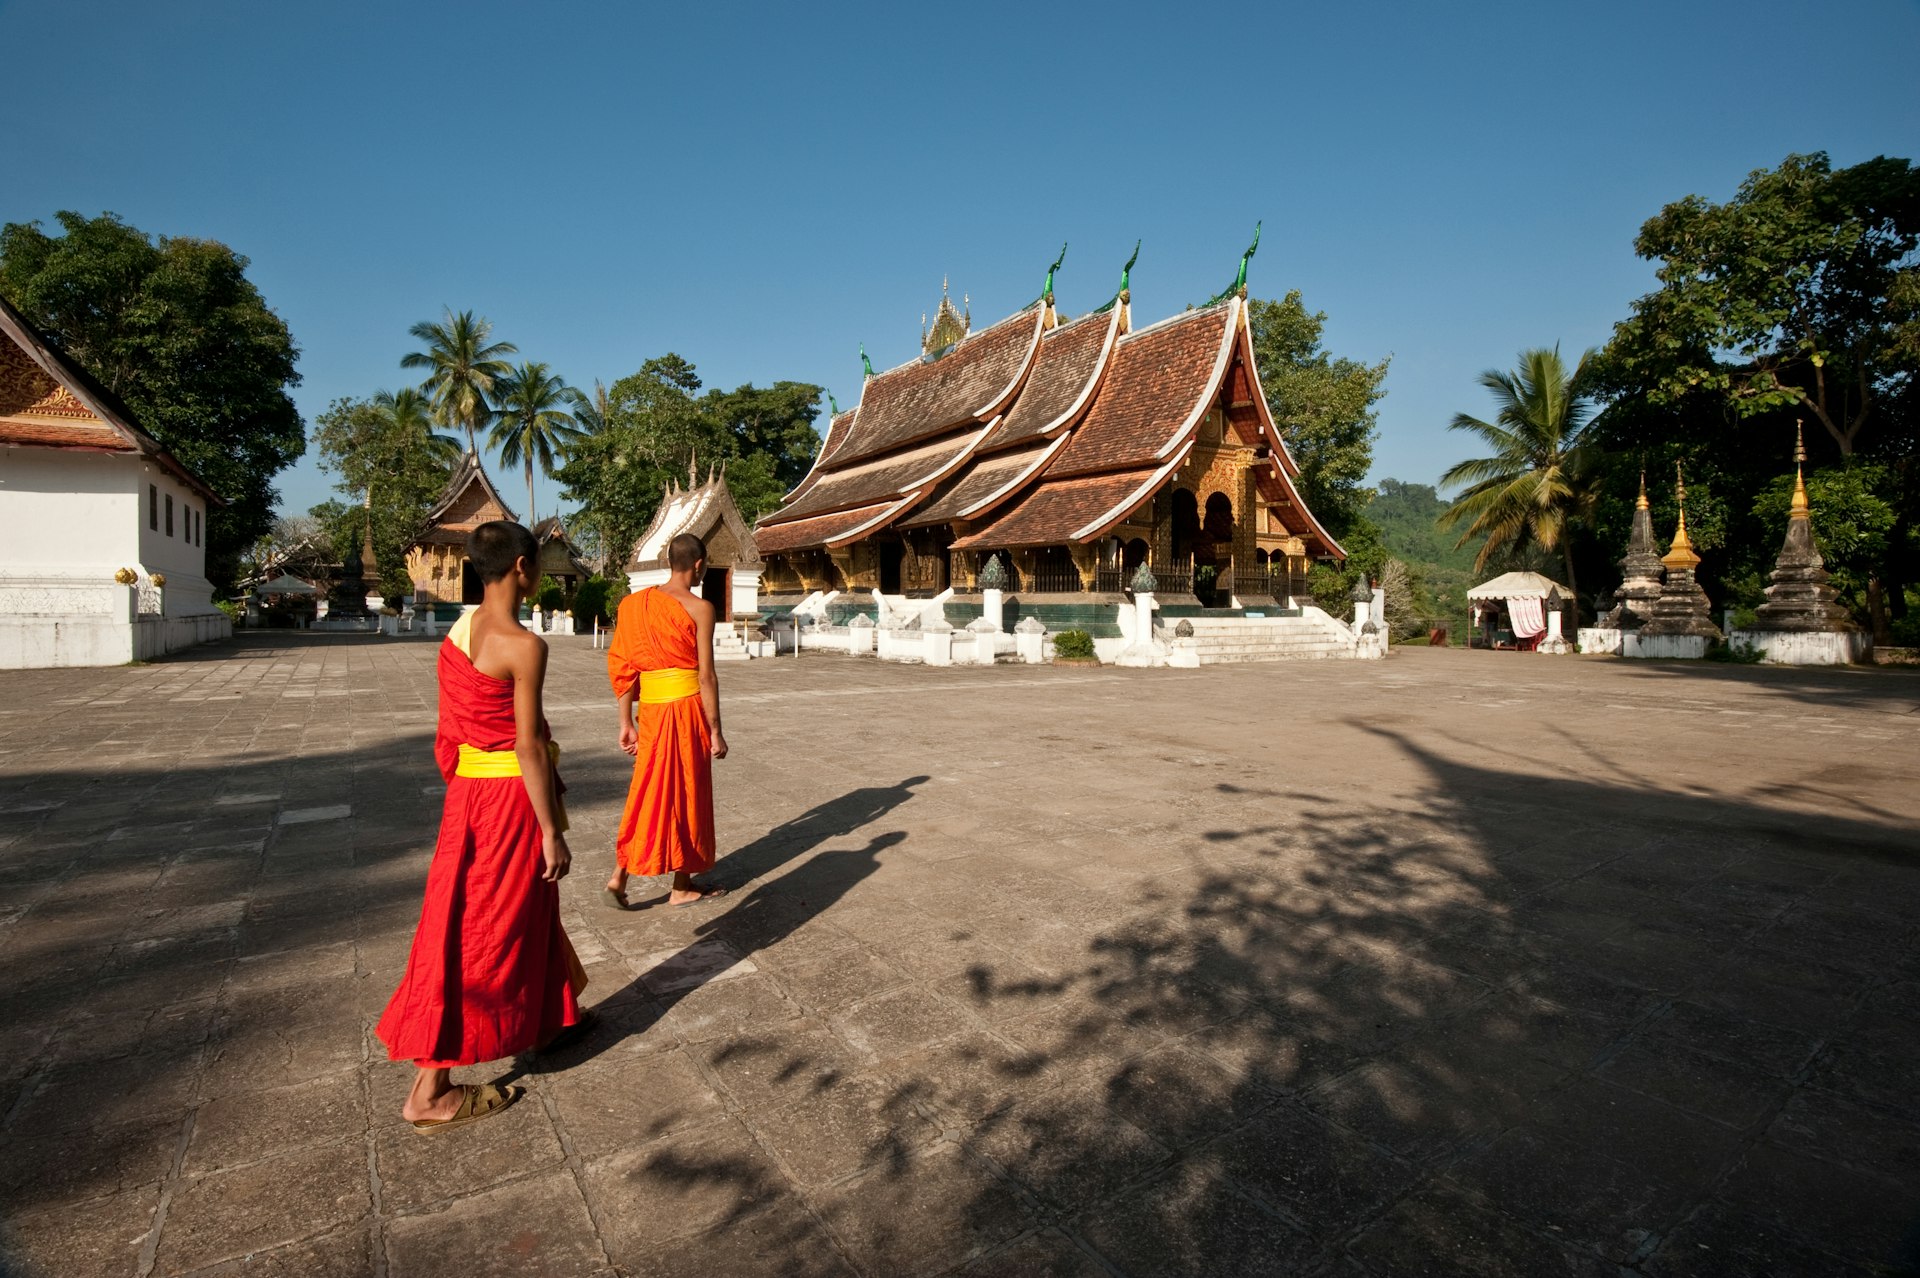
(1324, 407)
(1540, 478)
(462, 366)
(387, 455)
(173, 327)
(531, 425)
(774, 422)
(1797, 298)
(1799, 293)
(654, 428)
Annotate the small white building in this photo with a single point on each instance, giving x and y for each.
(104, 531)
(734, 568)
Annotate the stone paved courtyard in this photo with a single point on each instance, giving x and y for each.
(1464, 963)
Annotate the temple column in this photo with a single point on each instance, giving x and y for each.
(1086, 562)
(1161, 547)
(1246, 521)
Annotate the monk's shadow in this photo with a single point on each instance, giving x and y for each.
(768, 915)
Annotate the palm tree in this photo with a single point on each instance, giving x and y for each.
(531, 423)
(463, 367)
(407, 416)
(590, 412)
(1541, 476)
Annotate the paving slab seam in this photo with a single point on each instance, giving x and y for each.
(576, 1167)
(150, 1246)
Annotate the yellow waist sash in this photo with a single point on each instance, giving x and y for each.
(657, 686)
(475, 762)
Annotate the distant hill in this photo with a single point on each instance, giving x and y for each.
(1405, 514)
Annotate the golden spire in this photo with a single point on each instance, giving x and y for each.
(1642, 503)
(1681, 554)
(1800, 509)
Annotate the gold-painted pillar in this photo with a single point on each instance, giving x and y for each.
(1086, 561)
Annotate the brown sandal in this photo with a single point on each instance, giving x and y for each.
(482, 1100)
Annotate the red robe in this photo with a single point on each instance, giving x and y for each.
(668, 822)
(491, 973)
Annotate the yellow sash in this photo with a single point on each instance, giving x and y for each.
(658, 686)
(504, 763)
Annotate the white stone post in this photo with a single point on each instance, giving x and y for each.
(1030, 641)
(1362, 614)
(1143, 651)
(1555, 644)
(986, 634)
(992, 604)
(565, 626)
(939, 640)
(860, 636)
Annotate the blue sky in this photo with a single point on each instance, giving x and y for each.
(761, 188)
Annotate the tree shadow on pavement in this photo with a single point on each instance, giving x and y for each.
(1506, 1025)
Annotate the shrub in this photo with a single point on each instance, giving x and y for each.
(551, 596)
(1073, 645)
(229, 607)
(594, 598)
(1740, 654)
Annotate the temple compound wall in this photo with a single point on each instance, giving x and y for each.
(105, 532)
(1053, 461)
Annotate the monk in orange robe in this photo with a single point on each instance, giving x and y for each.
(491, 973)
(662, 657)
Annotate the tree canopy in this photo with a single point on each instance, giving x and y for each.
(1798, 298)
(172, 325)
(655, 428)
(1540, 476)
(393, 464)
(1324, 406)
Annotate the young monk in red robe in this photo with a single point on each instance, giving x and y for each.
(662, 656)
(491, 973)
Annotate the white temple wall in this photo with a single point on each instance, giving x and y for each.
(70, 520)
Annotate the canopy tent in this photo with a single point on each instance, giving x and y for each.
(1527, 596)
(1521, 585)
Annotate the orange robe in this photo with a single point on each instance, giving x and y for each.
(491, 972)
(668, 822)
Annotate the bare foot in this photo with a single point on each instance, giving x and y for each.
(444, 1105)
(696, 892)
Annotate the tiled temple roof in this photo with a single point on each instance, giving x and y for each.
(61, 405)
(820, 531)
(1058, 510)
(1062, 380)
(979, 483)
(1158, 380)
(968, 384)
(1091, 423)
(882, 480)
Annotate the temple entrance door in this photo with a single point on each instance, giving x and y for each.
(890, 555)
(714, 589)
(471, 591)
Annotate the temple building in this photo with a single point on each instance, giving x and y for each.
(105, 531)
(707, 510)
(437, 558)
(1071, 451)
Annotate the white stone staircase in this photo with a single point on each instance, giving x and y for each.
(727, 643)
(1312, 637)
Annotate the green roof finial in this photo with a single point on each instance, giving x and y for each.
(1046, 290)
(1126, 278)
(1240, 280)
(833, 408)
(1239, 286)
(864, 361)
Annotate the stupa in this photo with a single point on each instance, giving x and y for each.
(347, 601)
(1640, 586)
(1681, 623)
(1800, 624)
